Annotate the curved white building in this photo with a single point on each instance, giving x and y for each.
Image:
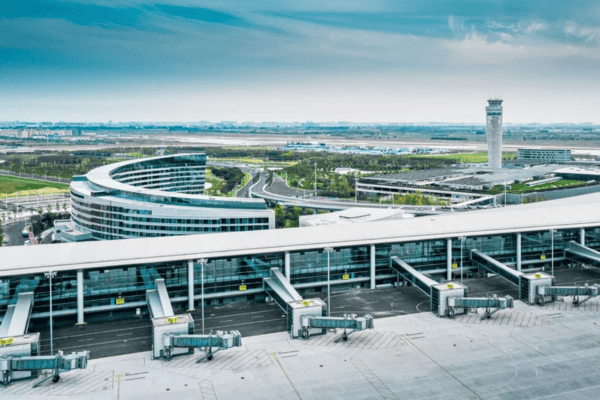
(160, 196)
(494, 133)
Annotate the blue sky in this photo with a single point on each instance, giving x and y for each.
(347, 60)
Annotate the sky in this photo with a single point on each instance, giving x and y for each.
(283, 60)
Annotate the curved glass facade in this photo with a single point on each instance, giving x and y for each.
(183, 174)
(160, 196)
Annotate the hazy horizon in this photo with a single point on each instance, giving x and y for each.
(258, 61)
(322, 123)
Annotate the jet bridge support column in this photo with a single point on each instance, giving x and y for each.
(80, 297)
(582, 236)
(191, 285)
(373, 266)
(449, 260)
(519, 252)
(288, 268)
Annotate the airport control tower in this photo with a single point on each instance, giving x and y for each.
(494, 133)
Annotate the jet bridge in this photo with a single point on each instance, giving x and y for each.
(438, 292)
(158, 300)
(448, 299)
(308, 317)
(164, 320)
(491, 304)
(173, 335)
(14, 336)
(19, 357)
(222, 341)
(583, 254)
(16, 319)
(11, 366)
(527, 283)
(348, 322)
(562, 291)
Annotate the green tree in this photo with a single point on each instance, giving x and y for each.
(296, 212)
(65, 206)
(49, 208)
(279, 216)
(40, 210)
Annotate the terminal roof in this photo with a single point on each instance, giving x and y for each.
(575, 212)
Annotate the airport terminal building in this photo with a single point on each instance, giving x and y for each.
(544, 155)
(101, 276)
(152, 197)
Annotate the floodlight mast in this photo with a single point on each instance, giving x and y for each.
(50, 275)
(202, 262)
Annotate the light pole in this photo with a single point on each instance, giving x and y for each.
(552, 232)
(504, 190)
(462, 242)
(202, 262)
(50, 275)
(328, 250)
(315, 179)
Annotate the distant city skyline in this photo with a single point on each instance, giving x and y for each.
(360, 61)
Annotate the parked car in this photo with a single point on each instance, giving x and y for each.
(25, 231)
(27, 243)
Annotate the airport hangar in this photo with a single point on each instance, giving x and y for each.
(103, 276)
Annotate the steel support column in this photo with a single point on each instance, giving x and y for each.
(582, 236)
(80, 297)
(449, 260)
(190, 285)
(372, 266)
(519, 252)
(288, 266)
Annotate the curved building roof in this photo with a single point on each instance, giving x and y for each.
(103, 181)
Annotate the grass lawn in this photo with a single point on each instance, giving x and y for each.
(217, 184)
(263, 162)
(521, 188)
(12, 184)
(475, 157)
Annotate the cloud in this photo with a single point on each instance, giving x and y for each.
(213, 46)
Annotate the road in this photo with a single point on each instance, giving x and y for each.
(14, 232)
(245, 191)
(281, 193)
(122, 333)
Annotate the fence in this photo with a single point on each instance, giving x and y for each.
(7, 221)
(38, 177)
